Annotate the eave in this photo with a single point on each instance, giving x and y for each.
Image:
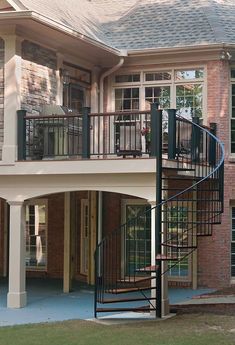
(29, 23)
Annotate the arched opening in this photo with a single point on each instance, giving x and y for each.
(61, 233)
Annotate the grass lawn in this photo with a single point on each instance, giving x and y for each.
(187, 329)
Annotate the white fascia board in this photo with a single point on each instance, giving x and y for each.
(183, 49)
(60, 27)
(17, 5)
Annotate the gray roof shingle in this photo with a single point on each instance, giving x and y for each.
(140, 24)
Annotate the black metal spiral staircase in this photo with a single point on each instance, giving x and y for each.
(189, 201)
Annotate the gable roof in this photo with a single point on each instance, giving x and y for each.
(142, 24)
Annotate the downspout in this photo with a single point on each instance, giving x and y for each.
(101, 109)
(104, 75)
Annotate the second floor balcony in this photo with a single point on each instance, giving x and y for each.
(106, 136)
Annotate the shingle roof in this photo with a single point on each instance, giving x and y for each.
(79, 15)
(140, 24)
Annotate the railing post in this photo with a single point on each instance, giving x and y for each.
(195, 140)
(21, 133)
(86, 132)
(153, 133)
(212, 144)
(171, 133)
(156, 150)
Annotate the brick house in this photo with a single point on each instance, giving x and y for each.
(64, 183)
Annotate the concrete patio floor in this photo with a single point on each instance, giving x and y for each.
(47, 302)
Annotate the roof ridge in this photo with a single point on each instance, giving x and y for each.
(17, 5)
(213, 21)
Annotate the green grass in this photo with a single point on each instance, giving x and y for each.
(198, 329)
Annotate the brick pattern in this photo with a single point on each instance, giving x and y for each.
(214, 252)
(38, 77)
(1, 236)
(1, 95)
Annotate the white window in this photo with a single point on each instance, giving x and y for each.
(177, 88)
(36, 234)
(127, 98)
(137, 236)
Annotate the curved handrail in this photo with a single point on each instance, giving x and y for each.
(211, 191)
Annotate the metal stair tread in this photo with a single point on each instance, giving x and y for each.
(126, 290)
(163, 257)
(129, 299)
(106, 310)
(178, 246)
(134, 280)
(151, 268)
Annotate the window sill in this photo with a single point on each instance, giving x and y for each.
(231, 159)
(36, 269)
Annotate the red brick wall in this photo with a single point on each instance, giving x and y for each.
(214, 251)
(1, 94)
(1, 236)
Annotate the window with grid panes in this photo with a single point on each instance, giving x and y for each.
(137, 241)
(177, 225)
(182, 89)
(127, 98)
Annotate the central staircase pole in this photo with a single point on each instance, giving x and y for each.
(156, 140)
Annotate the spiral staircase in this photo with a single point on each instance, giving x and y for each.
(129, 274)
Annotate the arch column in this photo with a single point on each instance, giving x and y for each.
(17, 297)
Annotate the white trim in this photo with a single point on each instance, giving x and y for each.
(124, 203)
(60, 27)
(173, 83)
(17, 5)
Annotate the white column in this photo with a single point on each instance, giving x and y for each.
(17, 297)
(12, 96)
(95, 89)
(96, 125)
(59, 90)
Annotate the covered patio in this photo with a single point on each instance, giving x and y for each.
(47, 302)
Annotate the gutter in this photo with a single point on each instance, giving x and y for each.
(103, 76)
(183, 49)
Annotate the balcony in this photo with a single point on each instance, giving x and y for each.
(113, 135)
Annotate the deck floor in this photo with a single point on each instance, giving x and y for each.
(47, 302)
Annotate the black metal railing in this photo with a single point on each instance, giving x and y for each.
(191, 203)
(109, 135)
(86, 135)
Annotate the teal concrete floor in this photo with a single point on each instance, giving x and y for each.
(47, 302)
